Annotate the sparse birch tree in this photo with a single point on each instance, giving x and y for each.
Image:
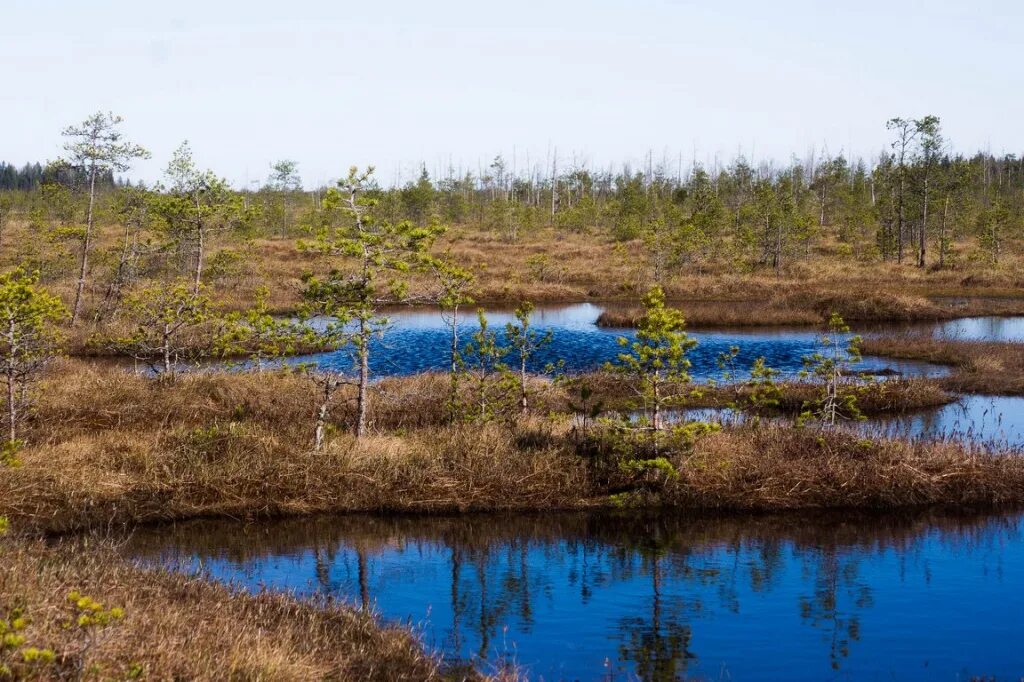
(382, 254)
(199, 204)
(96, 148)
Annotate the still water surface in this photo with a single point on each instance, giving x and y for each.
(992, 421)
(418, 340)
(599, 596)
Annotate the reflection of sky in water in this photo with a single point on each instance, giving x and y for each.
(418, 341)
(983, 419)
(983, 329)
(745, 598)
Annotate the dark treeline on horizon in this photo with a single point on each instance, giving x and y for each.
(32, 175)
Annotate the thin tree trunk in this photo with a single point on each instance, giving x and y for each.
(522, 381)
(942, 235)
(322, 414)
(200, 246)
(86, 242)
(12, 409)
(922, 237)
(167, 351)
(364, 377)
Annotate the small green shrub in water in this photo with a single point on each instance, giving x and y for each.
(832, 365)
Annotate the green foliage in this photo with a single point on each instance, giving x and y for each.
(524, 342)
(645, 459)
(90, 620)
(380, 254)
(455, 290)
(656, 359)
(9, 453)
(198, 205)
(586, 410)
(225, 264)
(29, 339)
(167, 324)
(259, 335)
(764, 391)
(490, 378)
(832, 365)
(19, 660)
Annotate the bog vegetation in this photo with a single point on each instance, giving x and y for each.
(188, 270)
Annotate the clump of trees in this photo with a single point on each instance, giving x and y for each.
(30, 338)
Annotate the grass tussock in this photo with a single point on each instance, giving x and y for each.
(186, 628)
(978, 366)
(240, 445)
(778, 467)
(892, 396)
(810, 307)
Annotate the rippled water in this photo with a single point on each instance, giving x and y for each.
(419, 340)
(599, 596)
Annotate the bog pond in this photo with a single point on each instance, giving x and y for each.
(418, 340)
(614, 596)
(582, 596)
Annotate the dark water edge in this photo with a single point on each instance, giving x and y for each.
(927, 594)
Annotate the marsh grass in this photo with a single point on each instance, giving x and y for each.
(110, 448)
(978, 366)
(178, 626)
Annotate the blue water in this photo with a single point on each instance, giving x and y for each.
(589, 596)
(982, 329)
(418, 340)
(990, 421)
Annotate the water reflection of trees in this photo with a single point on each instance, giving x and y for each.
(501, 566)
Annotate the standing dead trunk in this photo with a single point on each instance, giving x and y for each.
(942, 234)
(922, 237)
(200, 247)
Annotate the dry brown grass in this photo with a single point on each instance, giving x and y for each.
(814, 306)
(778, 467)
(239, 445)
(892, 396)
(185, 628)
(978, 366)
(592, 266)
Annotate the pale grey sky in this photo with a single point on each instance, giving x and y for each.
(332, 83)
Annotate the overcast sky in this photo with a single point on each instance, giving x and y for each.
(395, 83)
